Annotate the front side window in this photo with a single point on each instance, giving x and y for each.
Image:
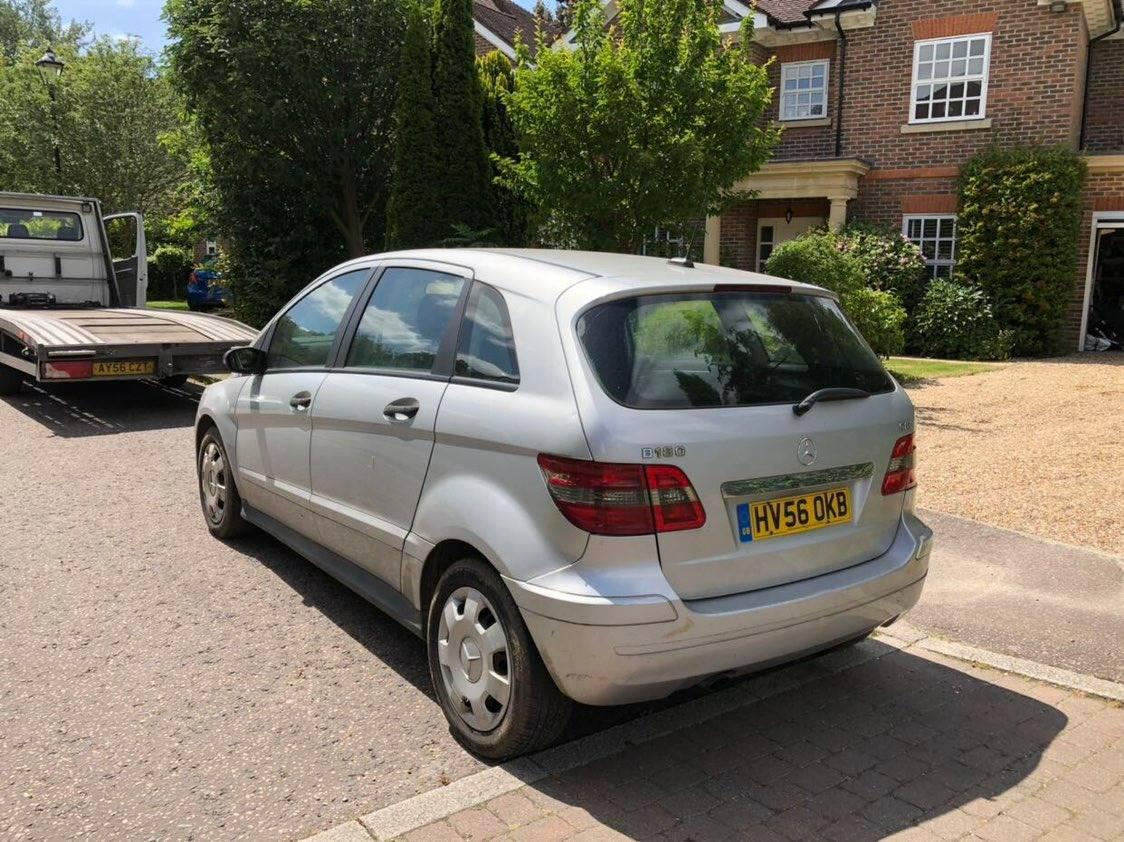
(304, 336)
(17, 224)
(950, 79)
(720, 349)
(404, 322)
(804, 90)
(936, 237)
(486, 349)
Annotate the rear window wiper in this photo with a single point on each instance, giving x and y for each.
(838, 393)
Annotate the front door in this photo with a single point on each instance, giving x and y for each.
(771, 232)
(374, 416)
(274, 409)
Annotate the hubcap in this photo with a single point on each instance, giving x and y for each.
(212, 482)
(472, 651)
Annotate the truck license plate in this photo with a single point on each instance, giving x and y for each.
(792, 515)
(125, 368)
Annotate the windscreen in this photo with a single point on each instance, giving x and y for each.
(18, 224)
(712, 349)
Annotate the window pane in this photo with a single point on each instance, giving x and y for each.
(305, 334)
(977, 47)
(16, 224)
(948, 227)
(960, 49)
(959, 67)
(975, 66)
(681, 350)
(766, 233)
(405, 320)
(925, 72)
(922, 112)
(926, 52)
(931, 228)
(972, 107)
(487, 348)
(944, 50)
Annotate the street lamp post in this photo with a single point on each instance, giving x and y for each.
(50, 69)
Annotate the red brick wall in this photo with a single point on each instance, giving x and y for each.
(886, 196)
(805, 142)
(1037, 58)
(738, 244)
(1102, 193)
(1104, 131)
(483, 47)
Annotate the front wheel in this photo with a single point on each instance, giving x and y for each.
(488, 676)
(222, 505)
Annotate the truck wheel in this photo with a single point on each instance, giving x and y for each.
(488, 676)
(222, 505)
(10, 380)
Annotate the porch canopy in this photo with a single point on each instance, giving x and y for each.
(834, 179)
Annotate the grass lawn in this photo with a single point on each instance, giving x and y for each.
(167, 305)
(911, 370)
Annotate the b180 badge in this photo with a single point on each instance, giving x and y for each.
(666, 451)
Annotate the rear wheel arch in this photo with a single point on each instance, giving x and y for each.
(441, 558)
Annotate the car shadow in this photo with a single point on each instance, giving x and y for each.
(78, 410)
(861, 754)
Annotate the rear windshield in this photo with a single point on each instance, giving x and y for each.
(681, 351)
(18, 224)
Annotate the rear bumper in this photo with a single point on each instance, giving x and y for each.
(615, 650)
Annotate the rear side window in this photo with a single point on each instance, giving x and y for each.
(17, 224)
(304, 336)
(405, 320)
(681, 351)
(486, 350)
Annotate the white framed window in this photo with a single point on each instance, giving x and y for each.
(950, 79)
(804, 90)
(936, 237)
(766, 242)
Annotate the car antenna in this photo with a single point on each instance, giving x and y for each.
(683, 261)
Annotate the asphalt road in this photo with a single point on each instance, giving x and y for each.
(157, 683)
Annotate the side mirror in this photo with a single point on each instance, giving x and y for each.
(245, 360)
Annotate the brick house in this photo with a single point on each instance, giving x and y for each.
(500, 25)
(882, 102)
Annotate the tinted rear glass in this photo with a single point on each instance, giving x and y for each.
(19, 224)
(683, 351)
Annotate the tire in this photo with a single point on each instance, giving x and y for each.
(535, 713)
(10, 380)
(218, 495)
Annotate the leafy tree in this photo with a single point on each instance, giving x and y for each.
(414, 212)
(464, 172)
(564, 12)
(115, 106)
(497, 80)
(34, 24)
(294, 101)
(648, 122)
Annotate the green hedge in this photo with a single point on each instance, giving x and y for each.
(1018, 227)
(955, 321)
(168, 271)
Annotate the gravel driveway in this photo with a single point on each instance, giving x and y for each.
(160, 684)
(1034, 446)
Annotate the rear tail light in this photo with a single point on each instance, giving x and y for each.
(73, 370)
(899, 473)
(612, 499)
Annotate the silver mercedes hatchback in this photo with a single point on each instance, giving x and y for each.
(578, 477)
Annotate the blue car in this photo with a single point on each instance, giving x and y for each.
(205, 290)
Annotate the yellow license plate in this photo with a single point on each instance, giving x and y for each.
(793, 515)
(124, 368)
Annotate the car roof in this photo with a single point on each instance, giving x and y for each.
(544, 274)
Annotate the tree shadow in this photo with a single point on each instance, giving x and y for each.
(79, 410)
(861, 754)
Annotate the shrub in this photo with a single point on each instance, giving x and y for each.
(819, 258)
(956, 322)
(816, 258)
(889, 261)
(168, 269)
(879, 317)
(1020, 214)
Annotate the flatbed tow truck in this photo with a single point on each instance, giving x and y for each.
(70, 311)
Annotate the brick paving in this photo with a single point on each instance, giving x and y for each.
(912, 746)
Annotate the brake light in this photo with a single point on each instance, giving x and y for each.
(71, 370)
(899, 473)
(613, 499)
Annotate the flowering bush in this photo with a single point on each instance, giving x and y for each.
(956, 322)
(889, 261)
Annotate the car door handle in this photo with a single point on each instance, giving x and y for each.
(402, 409)
(301, 401)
